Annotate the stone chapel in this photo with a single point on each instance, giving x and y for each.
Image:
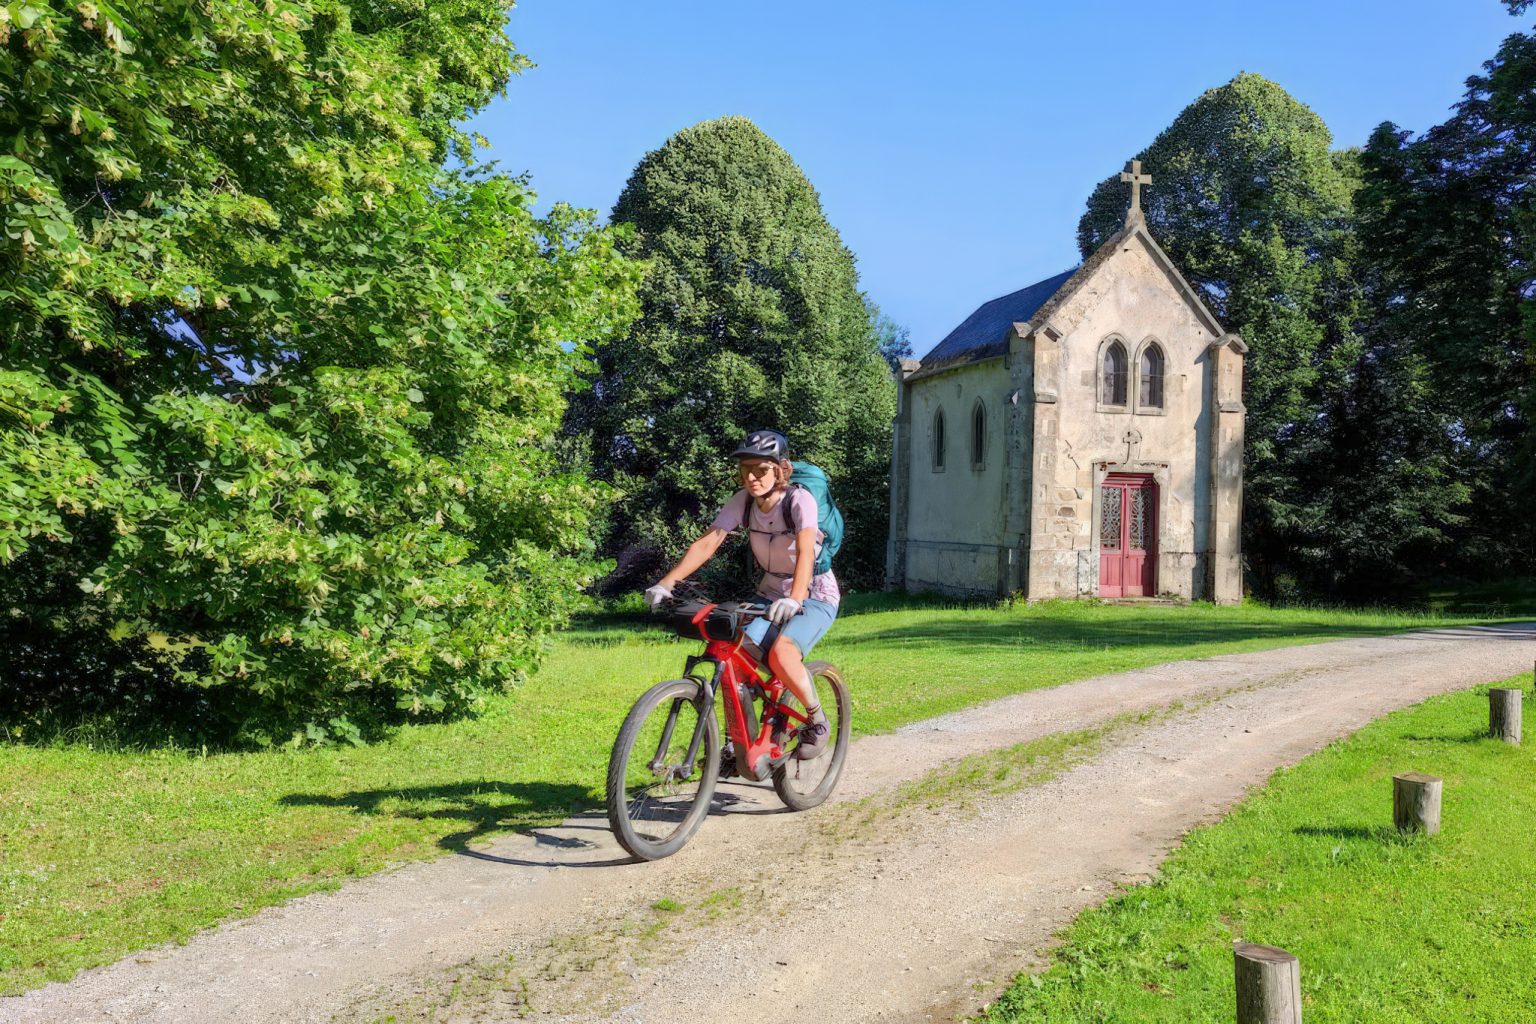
(1081, 437)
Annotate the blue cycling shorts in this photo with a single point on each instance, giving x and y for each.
(804, 630)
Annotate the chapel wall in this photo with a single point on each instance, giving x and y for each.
(1079, 441)
(955, 516)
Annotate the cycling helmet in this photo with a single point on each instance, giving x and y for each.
(763, 444)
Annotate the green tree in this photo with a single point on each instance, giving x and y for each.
(1383, 478)
(752, 317)
(894, 340)
(276, 392)
(1255, 210)
(1450, 232)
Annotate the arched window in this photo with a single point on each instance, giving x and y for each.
(978, 435)
(938, 440)
(1151, 396)
(1113, 385)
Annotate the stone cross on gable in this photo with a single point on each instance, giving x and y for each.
(1132, 174)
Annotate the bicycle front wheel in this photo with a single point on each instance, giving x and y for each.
(804, 784)
(657, 795)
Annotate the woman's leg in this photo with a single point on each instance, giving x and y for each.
(788, 665)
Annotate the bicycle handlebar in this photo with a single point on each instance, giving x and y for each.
(694, 592)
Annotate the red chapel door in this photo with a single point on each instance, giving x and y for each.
(1127, 536)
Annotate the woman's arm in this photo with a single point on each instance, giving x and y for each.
(699, 552)
(805, 562)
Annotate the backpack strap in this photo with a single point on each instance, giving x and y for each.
(788, 505)
(789, 508)
(746, 531)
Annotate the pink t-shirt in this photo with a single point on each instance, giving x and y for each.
(774, 546)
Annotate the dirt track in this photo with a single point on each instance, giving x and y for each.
(912, 916)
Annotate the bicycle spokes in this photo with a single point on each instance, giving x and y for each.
(662, 780)
(803, 784)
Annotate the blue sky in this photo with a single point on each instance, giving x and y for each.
(954, 144)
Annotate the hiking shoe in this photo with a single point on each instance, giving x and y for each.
(728, 761)
(813, 738)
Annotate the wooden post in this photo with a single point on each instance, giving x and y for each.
(1504, 715)
(1268, 984)
(1416, 802)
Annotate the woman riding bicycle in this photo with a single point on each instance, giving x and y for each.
(799, 600)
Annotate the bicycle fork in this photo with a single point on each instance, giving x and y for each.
(682, 771)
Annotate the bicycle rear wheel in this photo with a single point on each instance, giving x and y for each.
(804, 784)
(657, 796)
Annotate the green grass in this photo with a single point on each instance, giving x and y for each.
(1388, 928)
(104, 852)
(965, 783)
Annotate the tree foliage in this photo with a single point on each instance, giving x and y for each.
(1449, 230)
(752, 317)
(893, 340)
(276, 391)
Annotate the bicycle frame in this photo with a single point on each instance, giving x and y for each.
(741, 676)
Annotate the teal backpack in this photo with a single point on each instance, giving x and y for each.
(829, 520)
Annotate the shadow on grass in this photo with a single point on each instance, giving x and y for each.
(955, 621)
(480, 809)
(1514, 596)
(1476, 736)
(1375, 833)
(615, 624)
(1141, 630)
(1342, 831)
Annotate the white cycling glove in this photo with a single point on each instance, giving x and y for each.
(657, 594)
(782, 610)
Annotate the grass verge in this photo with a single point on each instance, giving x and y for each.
(990, 773)
(105, 852)
(1388, 928)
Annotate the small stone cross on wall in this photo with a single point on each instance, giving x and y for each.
(1132, 175)
(1132, 446)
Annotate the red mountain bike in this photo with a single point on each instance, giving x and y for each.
(667, 758)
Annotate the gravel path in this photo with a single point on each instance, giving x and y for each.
(862, 910)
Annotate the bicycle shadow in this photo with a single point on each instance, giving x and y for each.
(558, 837)
(486, 810)
(483, 809)
(746, 801)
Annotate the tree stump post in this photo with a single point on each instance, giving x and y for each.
(1268, 984)
(1416, 802)
(1504, 714)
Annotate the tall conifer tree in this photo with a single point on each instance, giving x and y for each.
(752, 318)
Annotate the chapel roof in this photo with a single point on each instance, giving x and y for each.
(984, 333)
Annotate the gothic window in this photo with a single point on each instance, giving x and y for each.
(978, 435)
(938, 441)
(1113, 384)
(1151, 396)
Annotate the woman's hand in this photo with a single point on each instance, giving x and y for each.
(782, 610)
(657, 594)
